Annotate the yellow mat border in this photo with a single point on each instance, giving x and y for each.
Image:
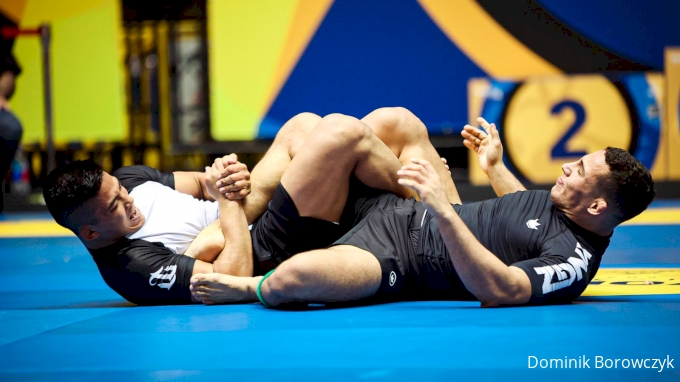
(634, 282)
(49, 228)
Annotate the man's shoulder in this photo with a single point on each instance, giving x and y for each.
(570, 240)
(7, 117)
(572, 233)
(127, 249)
(533, 203)
(144, 272)
(528, 195)
(133, 176)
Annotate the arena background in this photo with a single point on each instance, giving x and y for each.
(174, 83)
(171, 84)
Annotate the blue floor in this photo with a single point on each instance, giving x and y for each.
(59, 321)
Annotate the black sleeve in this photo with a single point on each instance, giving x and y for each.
(133, 176)
(560, 274)
(149, 274)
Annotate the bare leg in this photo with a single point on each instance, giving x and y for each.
(401, 131)
(317, 178)
(340, 145)
(338, 274)
(264, 177)
(406, 135)
(267, 173)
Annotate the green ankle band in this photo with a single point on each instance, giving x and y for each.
(259, 290)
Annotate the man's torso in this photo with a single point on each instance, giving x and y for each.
(172, 218)
(526, 230)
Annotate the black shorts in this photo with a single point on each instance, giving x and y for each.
(414, 264)
(281, 233)
(390, 231)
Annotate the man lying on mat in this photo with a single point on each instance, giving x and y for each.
(306, 174)
(529, 247)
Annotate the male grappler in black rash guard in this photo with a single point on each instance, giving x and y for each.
(525, 247)
(136, 223)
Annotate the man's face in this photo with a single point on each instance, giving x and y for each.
(578, 186)
(114, 210)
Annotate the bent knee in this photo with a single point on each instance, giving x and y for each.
(305, 118)
(344, 130)
(300, 125)
(396, 124)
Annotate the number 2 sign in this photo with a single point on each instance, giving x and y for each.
(546, 122)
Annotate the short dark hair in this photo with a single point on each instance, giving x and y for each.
(9, 64)
(68, 187)
(628, 184)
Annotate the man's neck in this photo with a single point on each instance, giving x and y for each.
(4, 103)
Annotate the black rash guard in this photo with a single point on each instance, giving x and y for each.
(523, 229)
(526, 230)
(148, 273)
(145, 273)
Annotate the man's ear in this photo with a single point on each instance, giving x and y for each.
(598, 206)
(86, 232)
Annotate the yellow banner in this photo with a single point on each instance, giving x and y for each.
(87, 73)
(254, 46)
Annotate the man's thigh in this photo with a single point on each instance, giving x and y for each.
(338, 148)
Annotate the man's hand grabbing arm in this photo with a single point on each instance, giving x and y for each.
(236, 177)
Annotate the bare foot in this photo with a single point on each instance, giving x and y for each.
(216, 288)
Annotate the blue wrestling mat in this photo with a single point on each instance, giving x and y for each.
(61, 322)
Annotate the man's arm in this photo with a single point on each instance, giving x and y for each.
(491, 281)
(236, 258)
(487, 144)
(236, 175)
(191, 183)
